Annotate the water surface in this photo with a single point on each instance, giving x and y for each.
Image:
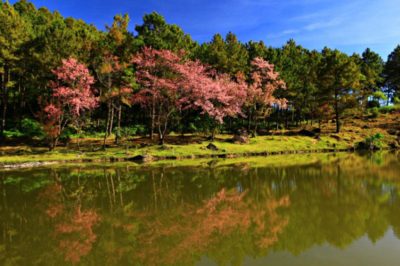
(326, 209)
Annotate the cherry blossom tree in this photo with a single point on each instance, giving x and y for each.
(170, 83)
(263, 84)
(72, 95)
(156, 72)
(216, 95)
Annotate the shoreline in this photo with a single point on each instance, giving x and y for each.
(139, 150)
(143, 161)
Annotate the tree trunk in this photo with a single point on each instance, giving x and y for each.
(107, 125)
(111, 119)
(249, 120)
(53, 143)
(4, 98)
(118, 132)
(3, 117)
(152, 117)
(286, 118)
(161, 135)
(254, 133)
(337, 113)
(213, 133)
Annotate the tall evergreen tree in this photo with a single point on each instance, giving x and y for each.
(371, 68)
(13, 34)
(392, 73)
(155, 32)
(339, 80)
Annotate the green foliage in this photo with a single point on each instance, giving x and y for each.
(374, 112)
(155, 32)
(226, 55)
(29, 129)
(389, 109)
(11, 134)
(380, 95)
(371, 68)
(391, 72)
(32, 128)
(133, 131)
(374, 141)
(340, 78)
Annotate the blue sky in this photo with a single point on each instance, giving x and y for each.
(348, 25)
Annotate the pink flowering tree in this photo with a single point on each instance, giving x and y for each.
(215, 95)
(156, 73)
(169, 83)
(264, 82)
(72, 96)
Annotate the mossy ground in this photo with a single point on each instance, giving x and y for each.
(178, 147)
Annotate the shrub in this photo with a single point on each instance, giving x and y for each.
(389, 109)
(132, 131)
(386, 109)
(15, 133)
(31, 128)
(374, 112)
(379, 95)
(373, 142)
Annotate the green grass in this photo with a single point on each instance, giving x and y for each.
(256, 145)
(348, 138)
(289, 160)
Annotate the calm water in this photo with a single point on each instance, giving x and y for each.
(337, 210)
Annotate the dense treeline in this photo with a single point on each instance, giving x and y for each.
(220, 85)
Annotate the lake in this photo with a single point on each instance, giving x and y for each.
(320, 209)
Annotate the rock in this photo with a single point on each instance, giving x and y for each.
(143, 145)
(241, 137)
(366, 146)
(316, 130)
(392, 132)
(307, 133)
(212, 147)
(143, 158)
(336, 137)
(318, 137)
(394, 145)
(263, 132)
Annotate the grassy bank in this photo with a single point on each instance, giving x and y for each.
(195, 146)
(257, 146)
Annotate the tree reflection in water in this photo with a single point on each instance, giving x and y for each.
(176, 215)
(189, 230)
(73, 227)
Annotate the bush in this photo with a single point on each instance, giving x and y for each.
(132, 131)
(31, 128)
(389, 109)
(374, 112)
(379, 95)
(373, 142)
(15, 133)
